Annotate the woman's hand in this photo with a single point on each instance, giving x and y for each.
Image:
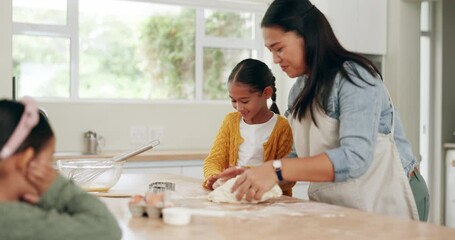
(255, 182)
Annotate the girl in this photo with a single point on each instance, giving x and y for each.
(36, 202)
(348, 137)
(254, 133)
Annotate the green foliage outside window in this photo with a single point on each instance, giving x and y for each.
(110, 59)
(151, 58)
(170, 49)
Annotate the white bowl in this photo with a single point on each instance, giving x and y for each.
(91, 174)
(176, 216)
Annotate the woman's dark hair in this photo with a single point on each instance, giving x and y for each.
(257, 75)
(11, 113)
(324, 54)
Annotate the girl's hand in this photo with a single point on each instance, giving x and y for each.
(231, 172)
(41, 175)
(218, 179)
(32, 198)
(255, 182)
(28, 192)
(211, 180)
(15, 168)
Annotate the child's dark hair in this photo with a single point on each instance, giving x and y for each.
(11, 113)
(257, 75)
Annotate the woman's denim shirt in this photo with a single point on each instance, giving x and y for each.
(363, 112)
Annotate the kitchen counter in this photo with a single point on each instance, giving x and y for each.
(151, 155)
(282, 218)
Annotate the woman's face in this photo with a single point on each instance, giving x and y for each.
(287, 49)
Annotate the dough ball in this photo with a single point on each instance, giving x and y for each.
(217, 183)
(222, 194)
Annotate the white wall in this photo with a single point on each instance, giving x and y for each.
(401, 65)
(447, 88)
(185, 126)
(5, 48)
(402, 78)
(448, 71)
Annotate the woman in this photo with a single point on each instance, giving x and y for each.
(347, 135)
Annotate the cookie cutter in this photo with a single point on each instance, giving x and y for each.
(162, 186)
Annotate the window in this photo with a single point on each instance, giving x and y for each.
(40, 63)
(143, 50)
(40, 12)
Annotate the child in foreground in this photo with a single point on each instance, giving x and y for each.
(35, 201)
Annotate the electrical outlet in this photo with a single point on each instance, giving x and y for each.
(138, 134)
(155, 133)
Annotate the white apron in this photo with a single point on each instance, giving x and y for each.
(384, 188)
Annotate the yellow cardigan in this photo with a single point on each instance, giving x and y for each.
(225, 149)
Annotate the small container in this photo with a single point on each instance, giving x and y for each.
(142, 210)
(93, 142)
(137, 210)
(159, 194)
(136, 206)
(153, 212)
(150, 205)
(176, 216)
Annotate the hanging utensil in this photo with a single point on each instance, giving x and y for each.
(143, 148)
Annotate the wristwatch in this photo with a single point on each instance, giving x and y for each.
(277, 166)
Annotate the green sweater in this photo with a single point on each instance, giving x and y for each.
(64, 212)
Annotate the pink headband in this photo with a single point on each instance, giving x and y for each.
(28, 121)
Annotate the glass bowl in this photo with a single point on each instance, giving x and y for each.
(93, 174)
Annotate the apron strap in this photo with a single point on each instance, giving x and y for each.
(393, 111)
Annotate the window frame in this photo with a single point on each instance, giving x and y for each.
(426, 93)
(71, 32)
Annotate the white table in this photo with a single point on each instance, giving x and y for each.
(283, 218)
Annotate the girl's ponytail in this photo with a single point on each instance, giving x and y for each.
(274, 107)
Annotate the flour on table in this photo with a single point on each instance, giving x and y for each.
(223, 193)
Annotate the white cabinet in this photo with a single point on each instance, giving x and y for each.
(360, 25)
(194, 169)
(189, 168)
(450, 188)
(153, 170)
